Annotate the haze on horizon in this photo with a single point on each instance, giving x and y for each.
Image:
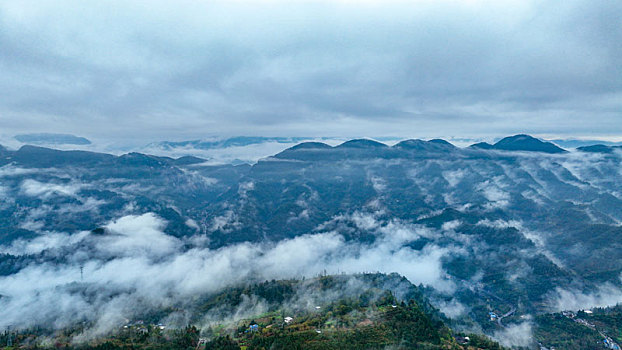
(157, 70)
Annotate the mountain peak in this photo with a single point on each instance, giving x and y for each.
(442, 142)
(189, 160)
(304, 151)
(141, 159)
(420, 145)
(482, 145)
(47, 157)
(529, 143)
(411, 144)
(310, 145)
(598, 149)
(362, 143)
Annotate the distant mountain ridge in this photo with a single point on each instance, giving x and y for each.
(600, 149)
(507, 223)
(237, 141)
(47, 157)
(521, 142)
(573, 143)
(52, 139)
(365, 148)
(355, 148)
(250, 149)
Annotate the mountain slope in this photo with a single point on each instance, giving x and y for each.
(485, 231)
(364, 311)
(526, 143)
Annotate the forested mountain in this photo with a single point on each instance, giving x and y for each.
(518, 228)
(364, 311)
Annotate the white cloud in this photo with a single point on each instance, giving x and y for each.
(451, 225)
(226, 222)
(501, 224)
(193, 224)
(135, 235)
(11, 170)
(332, 71)
(136, 266)
(34, 188)
(364, 221)
(453, 177)
(606, 295)
(452, 308)
(497, 197)
(378, 183)
(47, 240)
(515, 335)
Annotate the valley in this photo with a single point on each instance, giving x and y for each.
(516, 230)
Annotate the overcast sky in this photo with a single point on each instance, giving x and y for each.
(155, 70)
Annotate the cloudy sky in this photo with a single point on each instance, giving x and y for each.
(154, 70)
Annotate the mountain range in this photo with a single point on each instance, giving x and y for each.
(518, 228)
(52, 139)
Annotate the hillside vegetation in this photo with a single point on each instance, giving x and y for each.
(367, 311)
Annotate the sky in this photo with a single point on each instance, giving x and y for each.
(143, 71)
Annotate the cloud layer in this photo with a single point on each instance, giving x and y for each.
(161, 70)
(135, 267)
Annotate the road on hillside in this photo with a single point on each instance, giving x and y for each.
(507, 314)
